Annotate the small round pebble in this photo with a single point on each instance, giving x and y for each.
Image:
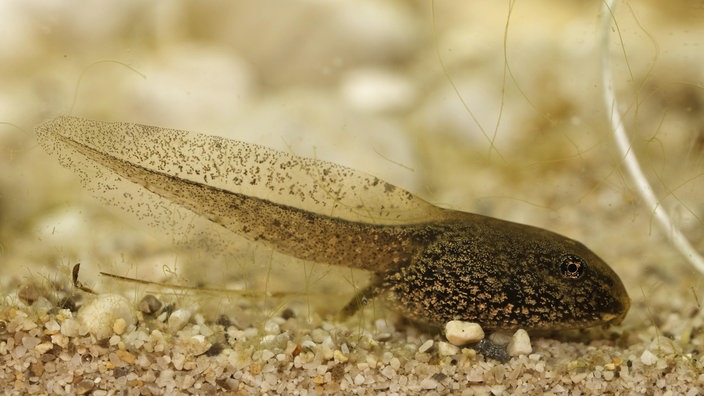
(271, 327)
(119, 326)
(447, 349)
(319, 335)
(461, 333)
(178, 319)
(428, 383)
(519, 344)
(52, 327)
(648, 358)
(359, 379)
(99, 315)
(70, 327)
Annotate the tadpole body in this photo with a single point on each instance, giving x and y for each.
(430, 264)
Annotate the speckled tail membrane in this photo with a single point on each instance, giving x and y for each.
(430, 264)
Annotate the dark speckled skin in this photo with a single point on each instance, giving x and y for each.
(504, 275)
(433, 265)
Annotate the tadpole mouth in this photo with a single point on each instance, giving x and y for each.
(617, 317)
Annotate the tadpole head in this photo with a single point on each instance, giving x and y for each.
(505, 275)
(581, 289)
(558, 282)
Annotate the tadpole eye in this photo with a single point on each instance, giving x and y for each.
(572, 267)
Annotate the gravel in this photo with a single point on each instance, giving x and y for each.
(285, 356)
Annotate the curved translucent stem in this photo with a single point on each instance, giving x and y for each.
(630, 160)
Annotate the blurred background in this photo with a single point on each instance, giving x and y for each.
(490, 107)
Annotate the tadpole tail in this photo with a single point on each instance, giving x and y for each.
(299, 233)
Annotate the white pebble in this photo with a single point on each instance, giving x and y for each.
(460, 333)
(52, 327)
(359, 379)
(198, 339)
(250, 332)
(519, 344)
(205, 330)
(26, 324)
(395, 363)
(381, 325)
(388, 372)
(70, 327)
(267, 354)
(578, 377)
(447, 349)
(319, 335)
(426, 345)
(271, 327)
(428, 383)
(99, 315)
(268, 340)
(178, 359)
(178, 319)
(648, 358)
